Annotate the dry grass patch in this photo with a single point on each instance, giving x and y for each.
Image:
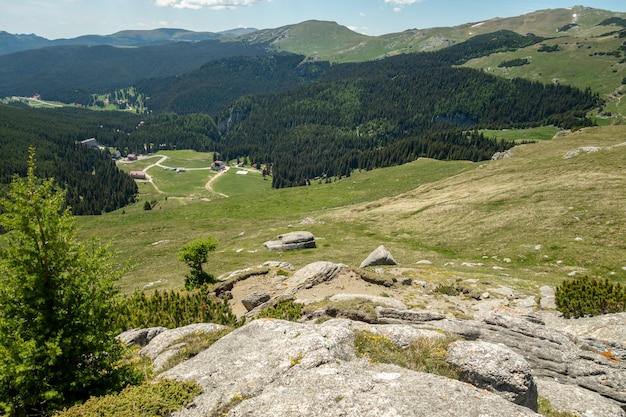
(422, 355)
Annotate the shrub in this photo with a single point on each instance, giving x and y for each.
(446, 290)
(171, 309)
(148, 400)
(285, 310)
(589, 297)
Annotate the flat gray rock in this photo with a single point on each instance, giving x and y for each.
(292, 241)
(276, 368)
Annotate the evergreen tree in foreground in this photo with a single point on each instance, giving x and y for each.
(57, 344)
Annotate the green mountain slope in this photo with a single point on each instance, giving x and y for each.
(551, 216)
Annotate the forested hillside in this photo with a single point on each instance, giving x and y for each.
(218, 83)
(71, 74)
(307, 119)
(381, 113)
(94, 184)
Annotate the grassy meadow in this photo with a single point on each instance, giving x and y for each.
(523, 221)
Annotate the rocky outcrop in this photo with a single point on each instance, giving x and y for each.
(380, 256)
(385, 301)
(168, 343)
(312, 274)
(255, 299)
(551, 353)
(495, 368)
(576, 400)
(140, 337)
(291, 241)
(275, 368)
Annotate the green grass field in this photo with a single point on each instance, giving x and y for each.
(550, 216)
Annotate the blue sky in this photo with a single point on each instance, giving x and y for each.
(55, 19)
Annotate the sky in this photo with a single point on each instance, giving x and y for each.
(54, 19)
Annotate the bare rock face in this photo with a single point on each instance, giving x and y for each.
(495, 368)
(292, 241)
(312, 275)
(577, 401)
(255, 299)
(594, 364)
(272, 367)
(169, 337)
(386, 301)
(140, 337)
(380, 256)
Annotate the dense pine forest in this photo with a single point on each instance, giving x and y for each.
(94, 184)
(309, 120)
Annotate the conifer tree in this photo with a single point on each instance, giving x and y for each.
(57, 345)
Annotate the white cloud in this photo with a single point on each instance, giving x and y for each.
(402, 2)
(398, 4)
(210, 4)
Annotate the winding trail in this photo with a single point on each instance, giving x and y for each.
(209, 185)
(163, 158)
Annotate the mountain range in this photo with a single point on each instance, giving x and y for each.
(10, 43)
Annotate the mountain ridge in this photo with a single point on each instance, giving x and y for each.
(314, 37)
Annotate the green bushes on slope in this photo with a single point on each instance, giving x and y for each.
(589, 297)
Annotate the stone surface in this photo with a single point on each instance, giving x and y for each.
(169, 338)
(255, 299)
(292, 241)
(313, 274)
(495, 368)
(281, 368)
(391, 315)
(385, 301)
(547, 298)
(380, 256)
(552, 353)
(140, 337)
(576, 400)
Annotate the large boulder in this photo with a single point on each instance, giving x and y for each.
(495, 368)
(380, 256)
(255, 299)
(312, 275)
(272, 367)
(292, 241)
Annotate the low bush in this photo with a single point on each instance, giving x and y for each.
(590, 297)
(148, 400)
(172, 309)
(284, 310)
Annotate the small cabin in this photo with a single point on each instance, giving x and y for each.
(138, 175)
(218, 166)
